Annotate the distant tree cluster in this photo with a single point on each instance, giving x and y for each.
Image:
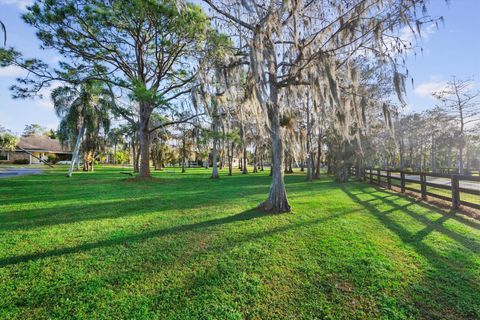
(445, 138)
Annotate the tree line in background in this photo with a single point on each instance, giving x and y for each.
(442, 139)
(264, 82)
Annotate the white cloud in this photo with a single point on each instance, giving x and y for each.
(20, 4)
(12, 71)
(408, 36)
(426, 89)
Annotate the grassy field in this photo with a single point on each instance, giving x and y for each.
(181, 246)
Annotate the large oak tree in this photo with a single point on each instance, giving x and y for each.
(311, 43)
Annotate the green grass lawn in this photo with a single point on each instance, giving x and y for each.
(181, 246)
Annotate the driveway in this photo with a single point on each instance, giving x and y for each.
(14, 172)
(445, 181)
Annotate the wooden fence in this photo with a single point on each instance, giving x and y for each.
(457, 186)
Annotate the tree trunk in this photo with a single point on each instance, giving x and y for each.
(277, 199)
(449, 160)
(134, 153)
(230, 159)
(137, 161)
(214, 159)
(309, 151)
(271, 166)
(160, 159)
(420, 164)
(342, 164)
(77, 162)
(240, 157)
(319, 156)
(287, 162)
(402, 160)
(245, 170)
(184, 154)
(460, 157)
(255, 165)
(467, 161)
(115, 153)
(76, 149)
(410, 157)
(462, 137)
(359, 169)
(309, 176)
(144, 149)
(155, 155)
(341, 172)
(222, 156)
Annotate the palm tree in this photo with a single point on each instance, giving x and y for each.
(83, 112)
(116, 136)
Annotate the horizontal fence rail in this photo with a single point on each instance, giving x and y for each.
(456, 187)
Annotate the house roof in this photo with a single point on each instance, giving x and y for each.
(42, 143)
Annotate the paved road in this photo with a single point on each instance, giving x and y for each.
(14, 172)
(475, 185)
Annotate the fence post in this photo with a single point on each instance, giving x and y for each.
(389, 179)
(423, 185)
(371, 175)
(455, 191)
(364, 173)
(378, 176)
(402, 181)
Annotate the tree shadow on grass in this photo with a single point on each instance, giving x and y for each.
(240, 217)
(57, 188)
(88, 211)
(451, 271)
(146, 262)
(453, 215)
(244, 216)
(115, 203)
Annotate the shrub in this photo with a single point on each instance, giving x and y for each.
(21, 161)
(121, 157)
(52, 158)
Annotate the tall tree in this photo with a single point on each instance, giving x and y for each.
(33, 129)
(115, 137)
(295, 43)
(463, 104)
(8, 141)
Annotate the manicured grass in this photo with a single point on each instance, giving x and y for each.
(181, 246)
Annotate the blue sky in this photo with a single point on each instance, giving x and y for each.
(454, 49)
